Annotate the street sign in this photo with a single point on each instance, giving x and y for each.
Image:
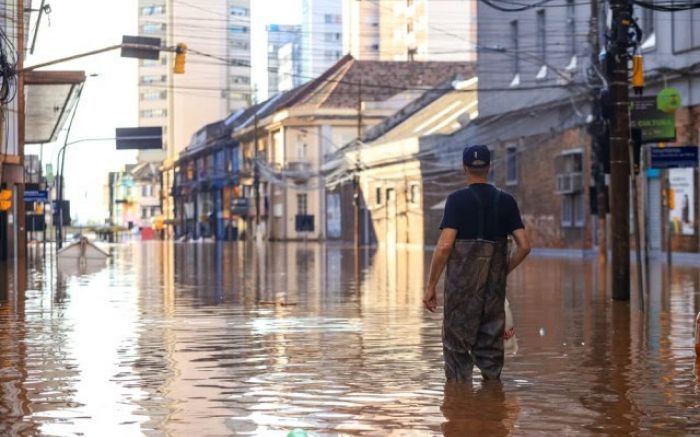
(139, 138)
(36, 196)
(143, 52)
(655, 124)
(674, 157)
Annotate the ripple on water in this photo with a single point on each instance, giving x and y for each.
(172, 340)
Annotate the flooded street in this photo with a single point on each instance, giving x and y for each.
(211, 339)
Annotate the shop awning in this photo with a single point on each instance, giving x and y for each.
(50, 97)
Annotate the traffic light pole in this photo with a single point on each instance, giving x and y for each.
(619, 149)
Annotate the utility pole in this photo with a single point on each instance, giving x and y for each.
(256, 176)
(619, 148)
(356, 178)
(599, 170)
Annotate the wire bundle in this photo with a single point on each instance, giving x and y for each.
(8, 69)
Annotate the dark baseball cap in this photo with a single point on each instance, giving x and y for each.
(476, 156)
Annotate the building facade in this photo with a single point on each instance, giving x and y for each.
(322, 36)
(279, 36)
(290, 73)
(421, 30)
(298, 133)
(208, 91)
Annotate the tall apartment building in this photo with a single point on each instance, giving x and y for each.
(278, 35)
(322, 36)
(289, 70)
(210, 89)
(403, 30)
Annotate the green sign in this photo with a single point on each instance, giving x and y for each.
(668, 100)
(656, 125)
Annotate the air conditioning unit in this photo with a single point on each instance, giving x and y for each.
(569, 183)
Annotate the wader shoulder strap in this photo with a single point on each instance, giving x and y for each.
(479, 215)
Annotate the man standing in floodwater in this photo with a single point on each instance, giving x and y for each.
(473, 245)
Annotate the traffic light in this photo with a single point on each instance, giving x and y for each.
(638, 74)
(5, 200)
(180, 53)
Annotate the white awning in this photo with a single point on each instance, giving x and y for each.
(50, 96)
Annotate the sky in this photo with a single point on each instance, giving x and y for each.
(110, 97)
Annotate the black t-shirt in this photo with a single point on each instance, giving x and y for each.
(461, 213)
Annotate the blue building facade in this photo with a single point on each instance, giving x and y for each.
(207, 191)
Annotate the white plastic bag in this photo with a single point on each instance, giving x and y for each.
(510, 341)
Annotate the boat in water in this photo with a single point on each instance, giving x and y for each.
(82, 250)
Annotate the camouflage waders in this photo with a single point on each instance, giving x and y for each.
(475, 289)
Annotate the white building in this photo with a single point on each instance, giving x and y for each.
(278, 36)
(418, 30)
(322, 36)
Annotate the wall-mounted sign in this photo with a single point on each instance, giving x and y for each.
(674, 157)
(655, 124)
(683, 213)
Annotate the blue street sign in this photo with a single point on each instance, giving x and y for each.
(36, 196)
(674, 157)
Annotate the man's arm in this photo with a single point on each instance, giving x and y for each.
(437, 265)
(523, 250)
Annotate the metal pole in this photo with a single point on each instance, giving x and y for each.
(667, 219)
(599, 171)
(356, 179)
(619, 154)
(20, 219)
(637, 233)
(256, 175)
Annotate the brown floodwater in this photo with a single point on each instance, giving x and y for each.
(185, 339)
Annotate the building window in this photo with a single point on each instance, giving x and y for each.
(302, 205)
(146, 191)
(301, 150)
(409, 27)
(573, 214)
(244, 45)
(153, 62)
(542, 36)
(511, 165)
(144, 213)
(332, 19)
(568, 167)
(245, 80)
(378, 194)
(647, 23)
(239, 12)
(154, 113)
(153, 28)
(153, 10)
(414, 194)
(515, 48)
(151, 78)
(571, 27)
(154, 95)
(238, 29)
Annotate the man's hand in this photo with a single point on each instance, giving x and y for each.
(430, 299)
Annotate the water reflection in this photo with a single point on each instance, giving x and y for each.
(177, 339)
